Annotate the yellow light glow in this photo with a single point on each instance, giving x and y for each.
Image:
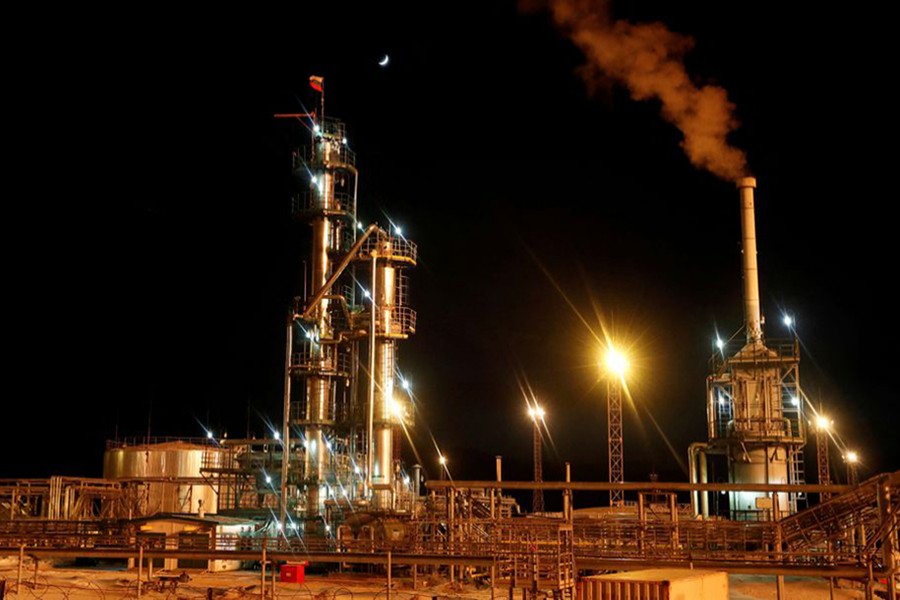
(536, 412)
(822, 422)
(616, 362)
(442, 459)
(852, 457)
(396, 409)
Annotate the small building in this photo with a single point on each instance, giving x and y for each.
(656, 584)
(193, 532)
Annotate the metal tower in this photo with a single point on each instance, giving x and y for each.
(537, 417)
(615, 436)
(754, 413)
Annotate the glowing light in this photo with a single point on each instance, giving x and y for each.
(312, 446)
(268, 478)
(209, 435)
(795, 400)
(721, 399)
(719, 343)
(278, 525)
(360, 226)
(396, 409)
(788, 321)
(276, 435)
(616, 362)
(327, 445)
(406, 480)
(295, 526)
(367, 294)
(443, 460)
(397, 230)
(404, 384)
(344, 141)
(316, 128)
(384, 61)
(536, 412)
(822, 422)
(356, 468)
(327, 527)
(852, 457)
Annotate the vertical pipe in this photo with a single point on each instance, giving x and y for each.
(704, 495)
(389, 575)
(262, 573)
(370, 421)
(692, 475)
(19, 570)
(567, 495)
(286, 416)
(140, 572)
(752, 311)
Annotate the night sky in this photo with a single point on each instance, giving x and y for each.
(151, 254)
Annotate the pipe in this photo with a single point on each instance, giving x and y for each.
(704, 496)
(320, 294)
(286, 424)
(752, 311)
(370, 421)
(632, 486)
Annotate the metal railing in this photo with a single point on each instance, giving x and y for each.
(337, 203)
(390, 247)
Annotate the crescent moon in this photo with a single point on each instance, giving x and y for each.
(384, 61)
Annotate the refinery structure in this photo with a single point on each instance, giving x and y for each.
(328, 486)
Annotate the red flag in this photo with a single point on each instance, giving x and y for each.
(317, 83)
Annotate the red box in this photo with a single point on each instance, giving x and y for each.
(292, 572)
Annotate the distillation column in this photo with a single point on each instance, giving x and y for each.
(320, 352)
(387, 256)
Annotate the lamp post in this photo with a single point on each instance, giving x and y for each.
(823, 424)
(852, 460)
(616, 366)
(537, 417)
(443, 462)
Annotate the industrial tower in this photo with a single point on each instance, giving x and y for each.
(341, 345)
(754, 407)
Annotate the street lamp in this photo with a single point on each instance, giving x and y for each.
(823, 425)
(537, 417)
(616, 366)
(443, 462)
(852, 460)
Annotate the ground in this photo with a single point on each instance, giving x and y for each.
(67, 582)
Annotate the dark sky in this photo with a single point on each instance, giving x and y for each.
(151, 255)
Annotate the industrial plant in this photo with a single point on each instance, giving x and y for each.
(327, 487)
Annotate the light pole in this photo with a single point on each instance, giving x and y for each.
(852, 460)
(443, 462)
(823, 424)
(537, 417)
(616, 366)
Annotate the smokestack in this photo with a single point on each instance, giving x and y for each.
(746, 185)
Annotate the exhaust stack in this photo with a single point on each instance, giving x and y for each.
(752, 313)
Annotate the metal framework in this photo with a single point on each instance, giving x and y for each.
(615, 437)
(822, 460)
(854, 534)
(537, 499)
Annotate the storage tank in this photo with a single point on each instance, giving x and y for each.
(171, 473)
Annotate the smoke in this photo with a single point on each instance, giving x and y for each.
(649, 60)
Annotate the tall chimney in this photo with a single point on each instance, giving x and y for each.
(746, 186)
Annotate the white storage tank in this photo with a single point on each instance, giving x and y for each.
(655, 584)
(170, 472)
